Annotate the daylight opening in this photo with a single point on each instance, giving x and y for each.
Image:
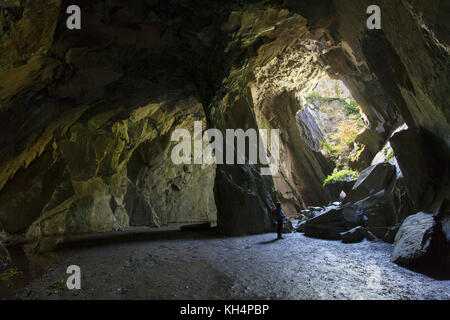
(332, 120)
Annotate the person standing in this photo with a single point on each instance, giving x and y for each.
(279, 214)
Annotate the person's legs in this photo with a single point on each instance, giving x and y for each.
(280, 228)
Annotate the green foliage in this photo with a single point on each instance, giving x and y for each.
(356, 153)
(316, 97)
(337, 90)
(389, 156)
(7, 277)
(342, 124)
(351, 108)
(330, 149)
(341, 175)
(58, 286)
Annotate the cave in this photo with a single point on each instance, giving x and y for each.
(89, 116)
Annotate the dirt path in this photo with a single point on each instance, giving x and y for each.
(187, 265)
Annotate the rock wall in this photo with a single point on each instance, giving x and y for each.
(416, 84)
(87, 115)
(161, 193)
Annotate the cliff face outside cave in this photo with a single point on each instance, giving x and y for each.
(87, 115)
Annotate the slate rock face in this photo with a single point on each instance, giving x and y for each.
(424, 167)
(371, 181)
(335, 188)
(423, 242)
(327, 225)
(373, 204)
(354, 235)
(413, 239)
(244, 208)
(86, 116)
(391, 234)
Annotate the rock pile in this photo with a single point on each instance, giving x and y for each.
(369, 210)
(375, 209)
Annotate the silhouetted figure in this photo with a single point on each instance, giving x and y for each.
(279, 215)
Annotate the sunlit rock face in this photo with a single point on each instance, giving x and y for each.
(407, 59)
(161, 193)
(87, 115)
(88, 118)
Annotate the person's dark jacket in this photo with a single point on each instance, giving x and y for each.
(280, 213)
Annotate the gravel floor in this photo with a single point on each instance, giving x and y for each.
(144, 264)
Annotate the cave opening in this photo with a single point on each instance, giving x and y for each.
(88, 118)
(330, 120)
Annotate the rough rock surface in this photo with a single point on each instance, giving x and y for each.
(78, 108)
(391, 233)
(371, 181)
(327, 225)
(413, 239)
(422, 242)
(376, 203)
(354, 235)
(335, 188)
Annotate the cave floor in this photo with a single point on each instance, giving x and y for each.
(171, 264)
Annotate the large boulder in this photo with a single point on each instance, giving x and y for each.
(413, 238)
(379, 212)
(354, 235)
(371, 181)
(422, 242)
(330, 223)
(423, 165)
(376, 196)
(336, 187)
(390, 234)
(242, 206)
(287, 226)
(300, 226)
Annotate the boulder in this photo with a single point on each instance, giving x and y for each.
(300, 226)
(327, 225)
(332, 221)
(423, 165)
(412, 241)
(390, 234)
(379, 212)
(337, 187)
(423, 243)
(287, 226)
(353, 216)
(354, 235)
(372, 180)
(377, 195)
(369, 235)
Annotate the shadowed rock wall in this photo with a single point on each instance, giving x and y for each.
(87, 115)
